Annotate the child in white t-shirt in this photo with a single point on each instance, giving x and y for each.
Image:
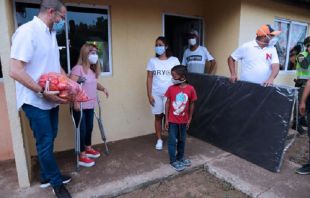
(158, 80)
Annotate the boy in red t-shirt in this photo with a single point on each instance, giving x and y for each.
(179, 110)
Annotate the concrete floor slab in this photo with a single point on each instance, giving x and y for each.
(131, 164)
(258, 182)
(134, 163)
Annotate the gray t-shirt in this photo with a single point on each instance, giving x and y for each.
(196, 60)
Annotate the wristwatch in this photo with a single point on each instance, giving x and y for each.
(40, 93)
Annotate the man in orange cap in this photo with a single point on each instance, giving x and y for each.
(259, 58)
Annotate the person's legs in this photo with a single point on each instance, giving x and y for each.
(181, 141)
(305, 169)
(308, 129)
(76, 115)
(172, 136)
(158, 110)
(89, 125)
(44, 133)
(301, 119)
(54, 124)
(83, 159)
(158, 125)
(54, 120)
(89, 120)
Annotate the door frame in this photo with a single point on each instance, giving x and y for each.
(184, 16)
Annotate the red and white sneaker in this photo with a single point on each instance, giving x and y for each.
(92, 153)
(86, 162)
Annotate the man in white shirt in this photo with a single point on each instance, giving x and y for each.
(34, 52)
(259, 58)
(195, 57)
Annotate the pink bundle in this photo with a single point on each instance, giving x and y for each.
(63, 86)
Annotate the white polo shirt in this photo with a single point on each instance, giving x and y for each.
(196, 60)
(255, 61)
(34, 44)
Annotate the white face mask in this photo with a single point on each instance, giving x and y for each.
(273, 41)
(192, 41)
(176, 82)
(93, 58)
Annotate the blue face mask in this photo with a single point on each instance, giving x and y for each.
(58, 27)
(160, 50)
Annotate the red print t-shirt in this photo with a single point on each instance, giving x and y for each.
(180, 98)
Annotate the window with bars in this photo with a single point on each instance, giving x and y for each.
(292, 37)
(84, 24)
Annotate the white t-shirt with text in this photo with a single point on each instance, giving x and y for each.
(161, 70)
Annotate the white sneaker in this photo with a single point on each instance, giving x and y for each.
(159, 145)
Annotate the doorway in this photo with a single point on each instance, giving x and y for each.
(176, 30)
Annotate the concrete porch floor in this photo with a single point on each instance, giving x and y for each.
(134, 163)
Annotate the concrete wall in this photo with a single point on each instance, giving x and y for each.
(134, 26)
(222, 30)
(20, 144)
(255, 13)
(6, 147)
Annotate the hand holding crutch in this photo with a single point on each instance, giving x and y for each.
(77, 127)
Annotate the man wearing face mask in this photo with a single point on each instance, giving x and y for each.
(34, 52)
(303, 61)
(259, 58)
(196, 56)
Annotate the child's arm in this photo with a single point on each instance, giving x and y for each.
(103, 89)
(167, 106)
(302, 106)
(191, 110)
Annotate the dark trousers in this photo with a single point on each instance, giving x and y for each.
(301, 84)
(308, 123)
(176, 132)
(44, 125)
(86, 127)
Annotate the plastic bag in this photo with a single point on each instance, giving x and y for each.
(63, 86)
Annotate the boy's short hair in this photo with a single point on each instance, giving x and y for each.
(180, 70)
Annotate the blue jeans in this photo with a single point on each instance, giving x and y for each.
(176, 132)
(44, 125)
(86, 127)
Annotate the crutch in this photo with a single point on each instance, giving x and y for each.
(77, 128)
(100, 125)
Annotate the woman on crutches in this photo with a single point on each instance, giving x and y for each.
(87, 69)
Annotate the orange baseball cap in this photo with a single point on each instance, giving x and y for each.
(267, 30)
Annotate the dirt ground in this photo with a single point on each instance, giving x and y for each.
(201, 184)
(197, 184)
(299, 151)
